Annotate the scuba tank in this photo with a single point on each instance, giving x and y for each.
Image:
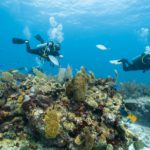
(146, 59)
(42, 45)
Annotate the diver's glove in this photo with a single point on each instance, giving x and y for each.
(61, 56)
(122, 60)
(26, 42)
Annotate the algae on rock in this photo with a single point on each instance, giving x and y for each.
(138, 145)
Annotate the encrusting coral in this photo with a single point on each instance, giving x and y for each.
(51, 121)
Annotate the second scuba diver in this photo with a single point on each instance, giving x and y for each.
(141, 62)
(48, 51)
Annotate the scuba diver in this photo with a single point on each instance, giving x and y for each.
(47, 51)
(141, 62)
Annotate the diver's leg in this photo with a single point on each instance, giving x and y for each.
(126, 65)
(29, 50)
(39, 38)
(28, 46)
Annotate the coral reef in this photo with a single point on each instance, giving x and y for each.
(79, 113)
(134, 90)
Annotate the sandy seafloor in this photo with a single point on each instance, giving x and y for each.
(143, 134)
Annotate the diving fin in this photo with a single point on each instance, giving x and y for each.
(115, 62)
(39, 38)
(18, 41)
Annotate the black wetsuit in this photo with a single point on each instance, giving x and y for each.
(43, 51)
(140, 63)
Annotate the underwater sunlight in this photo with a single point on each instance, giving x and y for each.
(74, 75)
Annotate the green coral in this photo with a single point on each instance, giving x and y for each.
(2, 88)
(138, 145)
(109, 147)
(8, 77)
(51, 121)
(39, 73)
(79, 89)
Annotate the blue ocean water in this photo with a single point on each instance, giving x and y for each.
(122, 25)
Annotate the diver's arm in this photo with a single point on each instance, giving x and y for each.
(56, 53)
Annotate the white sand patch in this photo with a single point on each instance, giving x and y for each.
(143, 134)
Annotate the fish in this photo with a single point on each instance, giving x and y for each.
(131, 118)
(102, 47)
(53, 60)
(115, 62)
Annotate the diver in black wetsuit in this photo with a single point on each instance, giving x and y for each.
(141, 62)
(44, 50)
